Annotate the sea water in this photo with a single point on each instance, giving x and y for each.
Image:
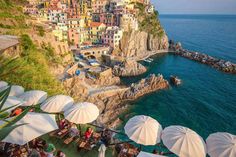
(206, 99)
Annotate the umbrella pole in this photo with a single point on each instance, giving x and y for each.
(80, 131)
(28, 146)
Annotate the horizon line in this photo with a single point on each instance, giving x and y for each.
(194, 14)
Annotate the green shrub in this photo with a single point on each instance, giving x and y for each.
(41, 31)
(149, 22)
(26, 44)
(31, 70)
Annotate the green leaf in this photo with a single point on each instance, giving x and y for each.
(3, 110)
(4, 95)
(5, 131)
(3, 115)
(15, 119)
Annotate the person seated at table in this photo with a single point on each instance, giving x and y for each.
(63, 124)
(60, 154)
(106, 136)
(36, 143)
(49, 149)
(73, 130)
(88, 133)
(16, 112)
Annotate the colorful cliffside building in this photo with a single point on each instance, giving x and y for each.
(112, 36)
(95, 29)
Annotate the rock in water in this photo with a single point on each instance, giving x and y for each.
(145, 86)
(175, 80)
(129, 68)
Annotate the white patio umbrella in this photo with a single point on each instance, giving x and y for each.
(183, 141)
(35, 125)
(15, 90)
(82, 113)
(145, 154)
(143, 130)
(12, 101)
(3, 84)
(57, 104)
(221, 144)
(33, 97)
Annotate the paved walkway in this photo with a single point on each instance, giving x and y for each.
(94, 91)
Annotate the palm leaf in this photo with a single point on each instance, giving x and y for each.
(4, 95)
(15, 119)
(6, 130)
(5, 109)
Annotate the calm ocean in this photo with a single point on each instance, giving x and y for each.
(206, 101)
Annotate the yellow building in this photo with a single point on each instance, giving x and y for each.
(43, 15)
(46, 4)
(94, 29)
(83, 7)
(60, 32)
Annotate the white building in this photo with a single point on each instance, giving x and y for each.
(56, 15)
(112, 36)
(150, 9)
(60, 32)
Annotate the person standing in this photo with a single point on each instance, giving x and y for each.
(102, 150)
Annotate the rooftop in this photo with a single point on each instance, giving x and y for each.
(95, 24)
(7, 41)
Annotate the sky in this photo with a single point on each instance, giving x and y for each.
(195, 6)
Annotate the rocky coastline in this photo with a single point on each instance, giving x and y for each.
(145, 86)
(219, 64)
(113, 106)
(129, 68)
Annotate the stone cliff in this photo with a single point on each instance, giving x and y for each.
(150, 36)
(141, 43)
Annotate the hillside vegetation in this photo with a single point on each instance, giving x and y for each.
(11, 16)
(32, 68)
(149, 22)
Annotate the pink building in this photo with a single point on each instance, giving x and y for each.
(112, 36)
(99, 6)
(73, 37)
(73, 10)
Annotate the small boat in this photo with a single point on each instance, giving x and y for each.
(147, 60)
(151, 59)
(175, 80)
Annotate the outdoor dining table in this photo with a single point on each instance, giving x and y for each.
(61, 133)
(84, 144)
